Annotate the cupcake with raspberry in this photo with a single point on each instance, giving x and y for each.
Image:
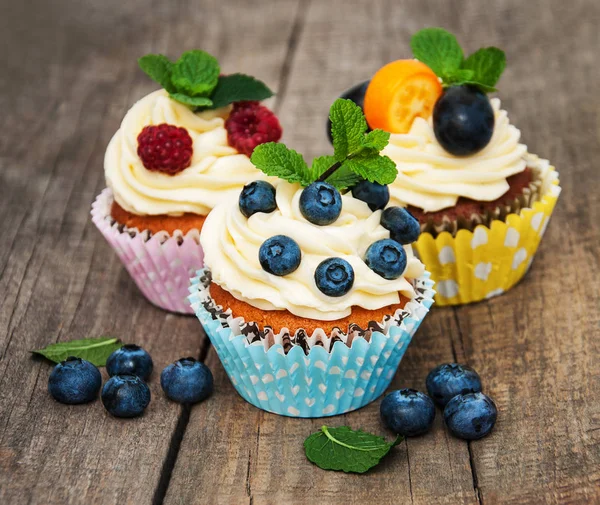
(482, 200)
(310, 292)
(179, 151)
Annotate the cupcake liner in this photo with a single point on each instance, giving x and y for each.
(160, 264)
(475, 265)
(328, 378)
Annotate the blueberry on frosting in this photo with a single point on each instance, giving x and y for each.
(403, 227)
(279, 255)
(386, 258)
(258, 196)
(321, 203)
(334, 277)
(375, 195)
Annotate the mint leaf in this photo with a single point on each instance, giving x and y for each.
(343, 178)
(279, 161)
(373, 167)
(158, 68)
(348, 127)
(195, 73)
(438, 49)
(320, 165)
(195, 101)
(94, 350)
(346, 450)
(487, 65)
(237, 88)
(376, 139)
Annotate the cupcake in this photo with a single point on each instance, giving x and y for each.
(311, 293)
(482, 200)
(179, 151)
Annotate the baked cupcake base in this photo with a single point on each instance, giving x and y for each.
(470, 266)
(160, 262)
(309, 375)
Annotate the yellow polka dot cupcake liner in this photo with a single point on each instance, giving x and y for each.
(475, 265)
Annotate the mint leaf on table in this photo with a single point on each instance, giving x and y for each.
(373, 167)
(237, 88)
(158, 67)
(195, 101)
(438, 49)
(195, 73)
(487, 65)
(348, 127)
(345, 449)
(94, 350)
(277, 160)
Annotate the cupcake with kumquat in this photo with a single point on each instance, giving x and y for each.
(179, 151)
(482, 200)
(310, 292)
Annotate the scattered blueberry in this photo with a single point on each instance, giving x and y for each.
(74, 381)
(279, 255)
(375, 195)
(407, 412)
(320, 203)
(357, 94)
(470, 416)
(334, 277)
(387, 258)
(125, 395)
(446, 381)
(463, 120)
(130, 359)
(187, 381)
(403, 227)
(258, 196)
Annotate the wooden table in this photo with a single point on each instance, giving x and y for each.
(69, 74)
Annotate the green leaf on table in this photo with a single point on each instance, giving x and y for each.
(372, 167)
(348, 127)
(487, 65)
(158, 67)
(277, 160)
(237, 88)
(195, 73)
(438, 49)
(94, 350)
(345, 449)
(194, 101)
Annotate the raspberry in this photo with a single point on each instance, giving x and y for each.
(251, 124)
(165, 148)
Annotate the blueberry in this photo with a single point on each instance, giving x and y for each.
(407, 412)
(130, 359)
(279, 255)
(446, 381)
(463, 120)
(375, 195)
(74, 381)
(357, 94)
(187, 381)
(125, 395)
(387, 258)
(320, 203)
(258, 196)
(404, 228)
(334, 277)
(471, 416)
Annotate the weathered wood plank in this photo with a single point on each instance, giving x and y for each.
(74, 75)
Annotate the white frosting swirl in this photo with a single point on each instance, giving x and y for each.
(231, 243)
(217, 171)
(432, 179)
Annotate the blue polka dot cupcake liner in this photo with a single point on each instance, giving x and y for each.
(309, 376)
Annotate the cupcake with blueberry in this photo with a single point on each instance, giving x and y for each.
(482, 200)
(179, 151)
(311, 292)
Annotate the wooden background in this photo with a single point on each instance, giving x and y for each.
(68, 76)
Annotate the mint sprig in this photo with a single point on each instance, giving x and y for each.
(440, 51)
(356, 154)
(344, 449)
(94, 350)
(195, 80)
